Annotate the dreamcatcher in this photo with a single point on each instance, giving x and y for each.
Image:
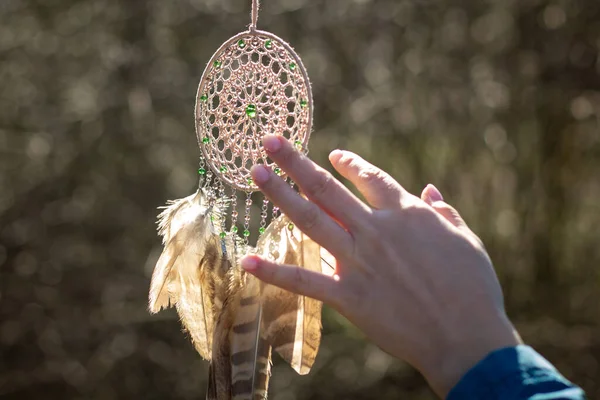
(254, 84)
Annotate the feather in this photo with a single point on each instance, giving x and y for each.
(184, 272)
(219, 382)
(219, 372)
(240, 365)
(250, 353)
(183, 215)
(308, 327)
(234, 319)
(292, 322)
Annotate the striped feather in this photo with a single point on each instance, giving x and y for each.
(292, 322)
(219, 382)
(240, 366)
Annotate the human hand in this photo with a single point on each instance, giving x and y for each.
(409, 272)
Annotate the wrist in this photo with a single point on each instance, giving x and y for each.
(462, 350)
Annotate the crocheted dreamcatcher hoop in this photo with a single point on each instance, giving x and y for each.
(254, 84)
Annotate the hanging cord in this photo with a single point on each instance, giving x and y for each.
(254, 15)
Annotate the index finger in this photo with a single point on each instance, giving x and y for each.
(317, 183)
(308, 216)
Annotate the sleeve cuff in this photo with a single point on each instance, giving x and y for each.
(514, 373)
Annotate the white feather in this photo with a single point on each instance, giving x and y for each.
(184, 222)
(179, 277)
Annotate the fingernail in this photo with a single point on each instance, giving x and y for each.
(434, 194)
(260, 174)
(249, 264)
(271, 143)
(335, 155)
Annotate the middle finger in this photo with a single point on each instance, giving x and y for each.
(309, 217)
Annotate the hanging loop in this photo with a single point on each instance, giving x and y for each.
(254, 15)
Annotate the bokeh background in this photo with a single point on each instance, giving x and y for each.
(497, 102)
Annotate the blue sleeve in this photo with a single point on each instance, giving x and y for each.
(514, 373)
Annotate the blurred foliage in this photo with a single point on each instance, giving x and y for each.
(497, 102)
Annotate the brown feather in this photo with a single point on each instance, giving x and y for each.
(240, 366)
(250, 354)
(292, 322)
(219, 383)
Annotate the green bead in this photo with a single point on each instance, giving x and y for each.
(291, 226)
(241, 43)
(277, 170)
(223, 168)
(250, 181)
(303, 103)
(234, 229)
(246, 233)
(217, 63)
(203, 97)
(268, 43)
(222, 235)
(251, 110)
(212, 218)
(298, 144)
(292, 66)
(205, 140)
(201, 171)
(261, 230)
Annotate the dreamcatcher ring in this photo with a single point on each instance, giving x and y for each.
(254, 84)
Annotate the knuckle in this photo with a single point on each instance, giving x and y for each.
(352, 298)
(416, 214)
(370, 175)
(337, 298)
(476, 238)
(449, 212)
(300, 280)
(444, 207)
(319, 185)
(270, 185)
(417, 210)
(286, 155)
(309, 217)
(347, 162)
(371, 232)
(268, 273)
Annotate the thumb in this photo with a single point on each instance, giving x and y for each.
(432, 196)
